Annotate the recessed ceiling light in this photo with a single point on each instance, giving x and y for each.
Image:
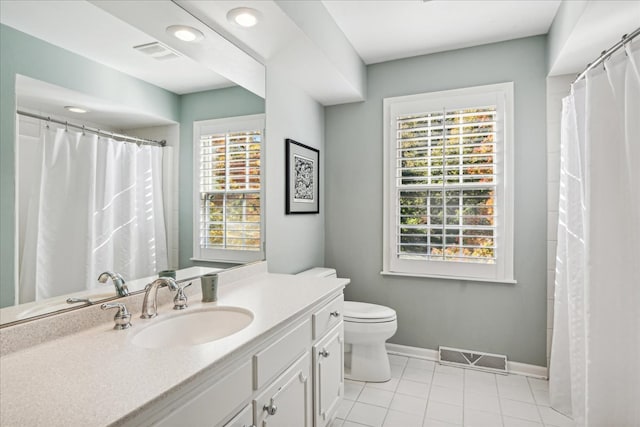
(243, 16)
(185, 33)
(76, 109)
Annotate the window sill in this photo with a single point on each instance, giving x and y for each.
(466, 279)
(226, 261)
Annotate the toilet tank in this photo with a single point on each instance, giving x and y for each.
(319, 272)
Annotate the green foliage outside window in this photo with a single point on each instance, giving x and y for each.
(446, 181)
(230, 191)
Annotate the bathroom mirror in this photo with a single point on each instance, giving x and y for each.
(48, 67)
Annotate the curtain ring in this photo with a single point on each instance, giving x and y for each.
(83, 130)
(66, 126)
(48, 121)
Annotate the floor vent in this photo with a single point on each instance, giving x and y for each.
(473, 359)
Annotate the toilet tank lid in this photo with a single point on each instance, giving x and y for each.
(319, 272)
(363, 310)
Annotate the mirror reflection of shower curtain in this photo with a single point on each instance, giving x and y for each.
(594, 373)
(96, 206)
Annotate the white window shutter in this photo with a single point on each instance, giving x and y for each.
(448, 207)
(229, 222)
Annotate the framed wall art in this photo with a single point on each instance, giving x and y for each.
(302, 178)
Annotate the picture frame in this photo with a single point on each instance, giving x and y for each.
(302, 178)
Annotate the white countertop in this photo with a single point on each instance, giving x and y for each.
(96, 377)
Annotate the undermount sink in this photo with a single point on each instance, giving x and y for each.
(193, 327)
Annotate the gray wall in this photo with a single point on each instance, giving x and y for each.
(294, 242)
(491, 317)
(29, 56)
(212, 104)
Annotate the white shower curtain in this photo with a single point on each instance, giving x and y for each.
(96, 206)
(595, 353)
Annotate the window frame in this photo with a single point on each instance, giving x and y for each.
(501, 95)
(226, 125)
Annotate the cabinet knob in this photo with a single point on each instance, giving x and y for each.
(335, 313)
(271, 409)
(324, 353)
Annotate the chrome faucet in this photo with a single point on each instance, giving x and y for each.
(150, 310)
(118, 282)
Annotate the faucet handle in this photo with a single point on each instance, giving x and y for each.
(180, 300)
(122, 317)
(77, 300)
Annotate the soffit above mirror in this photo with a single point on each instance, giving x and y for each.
(212, 52)
(97, 34)
(36, 95)
(274, 31)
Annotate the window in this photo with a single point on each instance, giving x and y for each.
(228, 192)
(448, 184)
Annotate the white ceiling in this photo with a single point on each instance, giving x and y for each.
(392, 29)
(304, 44)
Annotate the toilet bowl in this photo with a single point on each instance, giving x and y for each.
(366, 329)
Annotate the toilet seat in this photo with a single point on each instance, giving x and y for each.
(361, 312)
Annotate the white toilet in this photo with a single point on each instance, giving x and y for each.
(366, 329)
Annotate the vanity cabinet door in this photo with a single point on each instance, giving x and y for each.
(287, 401)
(328, 367)
(243, 419)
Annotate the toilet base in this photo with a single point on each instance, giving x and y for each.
(367, 363)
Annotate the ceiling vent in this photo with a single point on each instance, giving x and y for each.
(158, 51)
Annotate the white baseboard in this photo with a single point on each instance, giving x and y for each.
(417, 352)
(516, 368)
(527, 370)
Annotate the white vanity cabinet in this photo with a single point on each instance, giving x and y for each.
(328, 361)
(293, 377)
(208, 404)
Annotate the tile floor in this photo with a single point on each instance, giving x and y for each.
(423, 393)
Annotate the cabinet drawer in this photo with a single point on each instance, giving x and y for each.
(214, 403)
(278, 356)
(327, 317)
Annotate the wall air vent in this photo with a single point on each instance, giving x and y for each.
(157, 51)
(473, 359)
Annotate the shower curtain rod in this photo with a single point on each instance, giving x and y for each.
(607, 53)
(96, 131)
